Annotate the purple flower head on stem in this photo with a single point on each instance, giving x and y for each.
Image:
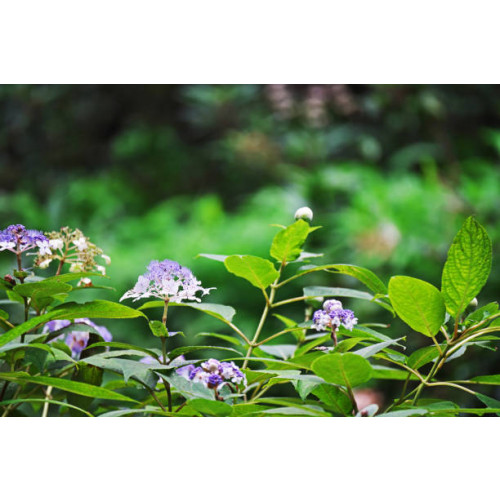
(213, 373)
(77, 340)
(167, 280)
(18, 239)
(332, 316)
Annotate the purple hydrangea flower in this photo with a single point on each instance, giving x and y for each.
(213, 373)
(332, 316)
(76, 340)
(167, 280)
(18, 239)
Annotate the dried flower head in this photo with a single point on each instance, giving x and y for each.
(167, 280)
(72, 247)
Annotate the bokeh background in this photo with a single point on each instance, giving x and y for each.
(171, 171)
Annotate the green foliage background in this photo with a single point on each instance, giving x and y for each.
(164, 171)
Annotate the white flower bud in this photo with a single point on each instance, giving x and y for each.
(473, 303)
(44, 264)
(304, 213)
(101, 269)
(107, 259)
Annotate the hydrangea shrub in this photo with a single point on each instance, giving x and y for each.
(325, 360)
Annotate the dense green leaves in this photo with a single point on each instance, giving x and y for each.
(347, 369)
(287, 244)
(418, 303)
(467, 267)
(259, 272)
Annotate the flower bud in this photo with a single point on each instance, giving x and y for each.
(304, 213)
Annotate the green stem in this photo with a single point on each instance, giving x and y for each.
(263, 318)
(265, 312)
(435, 367)
(164, 355)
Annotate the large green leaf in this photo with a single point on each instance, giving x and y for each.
(467, 268)
(72, 310)
(42, 289)
(259, 272)
(418, 303)
(347, 369)
(96, 309)
(219, 311)
(287, 244)
(26, 327)
(81, 388)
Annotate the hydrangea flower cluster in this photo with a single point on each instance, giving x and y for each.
(332, 316)
(76, 340)
(169, 281)
(17, 239)
(73, 247)
(213, 373)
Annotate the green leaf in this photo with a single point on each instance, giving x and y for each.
(221, 336)
(371, 350)
(386, 373)
(334, 398)
(412, 412)
(91, 391)
(49, 401)
(467, 268)
(283, 351)
(311, 292)
(122, 345)
(418, 303)
(481, 314)
(127, 367)
(489, 402)
(186, 349)
(259, 272)
(188, 389)
(487, 379)
(42, 289)
(219, 311)
(287, 244)
(73, 277)
(422, 356)
(347, 369)
(324, 291)
(212, 408)
(158, 328)
(96, 309)
(26, 327)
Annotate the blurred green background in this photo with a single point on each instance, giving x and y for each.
(171, 171)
